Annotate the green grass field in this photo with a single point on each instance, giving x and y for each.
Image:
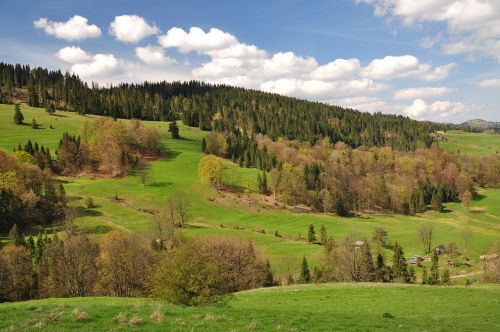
(239, 217)
(474, 144)
(360, 307)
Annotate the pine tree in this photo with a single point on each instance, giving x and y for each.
(323, 235)
(173, 128)
(399, 267)
(434, 277)
(412, 276)
(445, 277)
(30, 245)
(16, 237)
(380, 269)
(34, 124)
(203, 145)
(18, 116)
(305, 273)
(367, 270)
(425, 277)
(437, 201)
(311, 234)
(264, 182)
(269, 277)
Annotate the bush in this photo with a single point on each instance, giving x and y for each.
(197, 273)
(77, 315)
(89, 202)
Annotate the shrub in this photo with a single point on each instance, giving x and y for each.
(77, 315)
(89, 202)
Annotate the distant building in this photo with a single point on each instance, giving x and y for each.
(440, 249)
(416, 259)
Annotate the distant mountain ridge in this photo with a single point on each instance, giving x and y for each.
(481, 125)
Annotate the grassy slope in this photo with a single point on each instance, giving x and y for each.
(295, 308)
(178, 171)
(471, 143)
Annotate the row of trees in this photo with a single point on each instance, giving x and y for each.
(28, 196)
(192, 272)
(337, 178)
(221, 108)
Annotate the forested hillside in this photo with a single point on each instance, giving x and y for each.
(217, 107)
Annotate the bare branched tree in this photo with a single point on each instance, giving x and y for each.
(425, 236)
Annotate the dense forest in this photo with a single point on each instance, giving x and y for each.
(214, 107)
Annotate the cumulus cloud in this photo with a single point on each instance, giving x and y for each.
(364, 104)
(153, 55)
(337, 69)
(391, 67)
(197, 39)
(131, 28)
(437, 111)
(491, 83)
(473, 25)
(100, 66)
(73, 54)
(321, 90)
(424, 92)
(76, 28)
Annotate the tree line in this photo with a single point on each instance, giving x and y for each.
(221, 108)
(340, 179)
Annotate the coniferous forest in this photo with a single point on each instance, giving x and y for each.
(214, 107)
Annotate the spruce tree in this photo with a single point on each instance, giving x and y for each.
(311, 234)
(425, 277)
(203, 145)
(18, 116)
(445, 277)
(323, 235)
(412, 276)
(434, 277)
(305, 273)
(16, 237)
(437, 201)
(380, 269)
(173, 128)
(399, 267)
(367, 270)
(269, 277)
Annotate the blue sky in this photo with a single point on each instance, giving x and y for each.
(436, 60)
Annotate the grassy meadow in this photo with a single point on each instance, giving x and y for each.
(360, 307)
(238, 215)
(474, 144)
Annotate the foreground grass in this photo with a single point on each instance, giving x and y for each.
(292, 308)
(239, 219)
(471, 143)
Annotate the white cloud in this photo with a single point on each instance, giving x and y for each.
(153, 55)
(473, 25)
(321, 90)
(364, 104)
(197, 39)
(339, 68)
(424, 92)
(73, 54)
(101, 66)
(491, 83)
(391, 67)
(437, 111)
(76, 28)
(131, 28)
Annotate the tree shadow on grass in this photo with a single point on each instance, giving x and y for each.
(82, 212)
(171, 154)
(100, 229)
(478, 197)
(159, 184)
